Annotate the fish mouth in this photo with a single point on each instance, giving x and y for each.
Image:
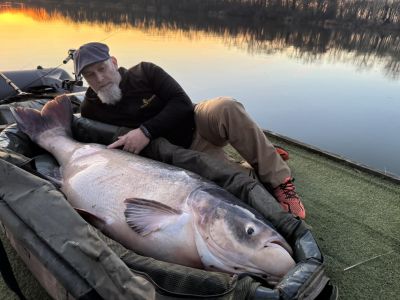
(274, 244)
(279, 244)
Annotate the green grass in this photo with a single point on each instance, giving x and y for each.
(354, 217)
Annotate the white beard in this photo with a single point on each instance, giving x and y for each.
(110, 95)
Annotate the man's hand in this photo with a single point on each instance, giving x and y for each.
(134, 141)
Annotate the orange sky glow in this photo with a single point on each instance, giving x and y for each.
(38, 36)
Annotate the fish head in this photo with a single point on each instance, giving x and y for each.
(232, 239)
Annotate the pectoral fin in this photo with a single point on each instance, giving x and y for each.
(147, 216)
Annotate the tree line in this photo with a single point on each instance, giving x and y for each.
(324, 12)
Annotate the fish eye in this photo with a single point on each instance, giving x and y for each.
(250, 230)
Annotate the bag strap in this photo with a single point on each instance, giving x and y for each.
(7, 273)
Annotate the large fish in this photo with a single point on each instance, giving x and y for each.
(153, 208)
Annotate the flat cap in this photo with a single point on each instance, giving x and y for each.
(88, 54)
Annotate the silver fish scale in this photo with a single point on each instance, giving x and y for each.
(100, 181)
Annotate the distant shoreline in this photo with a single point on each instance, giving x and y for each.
(328, 14)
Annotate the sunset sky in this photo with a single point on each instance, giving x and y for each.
(30, 46)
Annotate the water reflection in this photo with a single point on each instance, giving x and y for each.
(362, 48)
(295, 80)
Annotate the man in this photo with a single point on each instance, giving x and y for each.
(148, 100)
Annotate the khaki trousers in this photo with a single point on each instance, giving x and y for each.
(223, 120)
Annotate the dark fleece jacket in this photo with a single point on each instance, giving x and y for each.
(150, 98)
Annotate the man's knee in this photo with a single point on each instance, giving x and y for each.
(226, 105)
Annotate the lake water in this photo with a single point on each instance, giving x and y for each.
(336, 90)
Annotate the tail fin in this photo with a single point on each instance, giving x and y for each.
(55, 113)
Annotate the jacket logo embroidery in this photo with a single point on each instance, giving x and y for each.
(146, 102)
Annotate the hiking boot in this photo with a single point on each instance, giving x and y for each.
(287, 197)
